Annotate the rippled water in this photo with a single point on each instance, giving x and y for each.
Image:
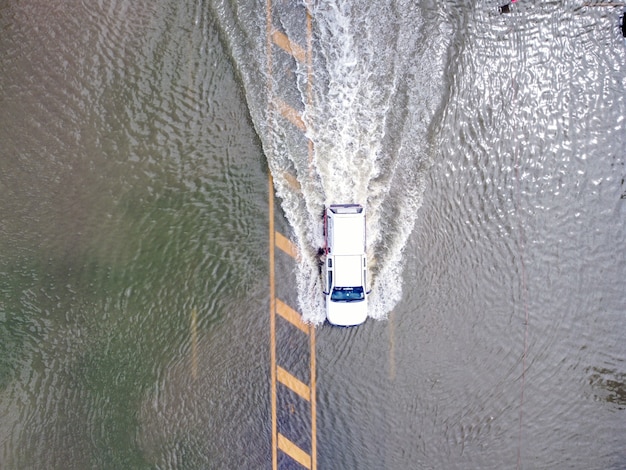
(520, 247)
(132, 184)
(133, 233)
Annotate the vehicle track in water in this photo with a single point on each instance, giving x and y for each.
(378, 84)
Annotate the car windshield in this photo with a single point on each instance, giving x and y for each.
(347, 294)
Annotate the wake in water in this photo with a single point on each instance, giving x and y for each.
(377, 82)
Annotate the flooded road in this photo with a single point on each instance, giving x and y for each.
(134, 154)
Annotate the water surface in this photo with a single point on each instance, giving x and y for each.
(134, 160)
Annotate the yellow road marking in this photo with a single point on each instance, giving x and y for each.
(293, 383)
(272, 324)
(292, 180)
(278, 240)
(312, 387)
(270, 197)
(194, 344)
(286, 245)
(294, 451)
(291, 315)
(288, 46)
(290, 114)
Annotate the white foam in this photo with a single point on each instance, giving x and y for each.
(376, 89)
(377, 82)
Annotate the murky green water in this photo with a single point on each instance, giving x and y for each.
(133, 193)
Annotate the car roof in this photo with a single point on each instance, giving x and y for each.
(348, 234)
(348, 271)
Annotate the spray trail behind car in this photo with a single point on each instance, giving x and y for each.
(377, 82)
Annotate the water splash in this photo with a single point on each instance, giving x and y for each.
(377, 81)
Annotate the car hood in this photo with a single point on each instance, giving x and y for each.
(346, 313)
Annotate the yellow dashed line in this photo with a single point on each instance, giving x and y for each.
(291, 315)
(290, 114)
(294, 451)
(276, 239)
(293, 383)
(292, 48)
(292, 180)
(286, 245)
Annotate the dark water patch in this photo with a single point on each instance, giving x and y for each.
(114, 374)
(610, 386)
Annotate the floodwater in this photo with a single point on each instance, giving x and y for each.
(135, 142)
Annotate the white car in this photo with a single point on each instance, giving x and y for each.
(345, 265)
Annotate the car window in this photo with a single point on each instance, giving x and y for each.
(347, 294)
